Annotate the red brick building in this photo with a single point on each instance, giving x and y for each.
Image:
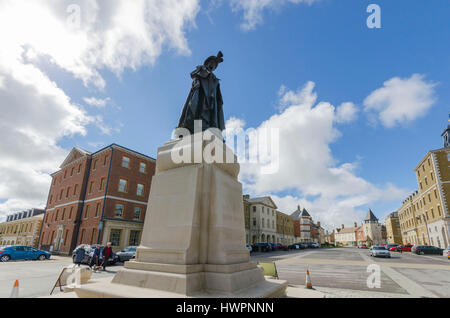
(96, 198)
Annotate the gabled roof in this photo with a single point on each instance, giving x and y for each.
(305, 213)
(264, 200)
(296, 213)
(370, 216)
(75, 154)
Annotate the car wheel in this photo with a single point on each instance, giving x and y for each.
(42, 257)
(422, 253)
(5, 258)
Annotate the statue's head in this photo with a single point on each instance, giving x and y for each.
(212, 62)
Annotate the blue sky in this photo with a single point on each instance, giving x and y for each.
(326, 42)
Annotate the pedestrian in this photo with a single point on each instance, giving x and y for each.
(96, 258)
(400, 249)
(107, 254)
(79, 255)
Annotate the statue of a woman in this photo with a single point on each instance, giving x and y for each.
(205, 99)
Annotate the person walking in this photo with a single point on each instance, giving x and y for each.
(107, 254)
(79, 255)
(96, 258)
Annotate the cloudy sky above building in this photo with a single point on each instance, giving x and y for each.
(356, 108)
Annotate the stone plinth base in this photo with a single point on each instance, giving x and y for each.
(190, 279)
(193, 242)
(269, 288)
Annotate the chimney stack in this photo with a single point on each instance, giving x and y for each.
(356, 224)
(318, 223)
(342, 226)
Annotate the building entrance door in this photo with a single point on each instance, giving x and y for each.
(58, 239)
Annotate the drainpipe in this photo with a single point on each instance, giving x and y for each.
(104, 199)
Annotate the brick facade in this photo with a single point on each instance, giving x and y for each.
(85, 193)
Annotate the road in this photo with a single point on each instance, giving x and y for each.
(37, 278)
(342, 272)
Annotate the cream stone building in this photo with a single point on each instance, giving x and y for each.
(24, 231)
(394, 234)
(347, 236)
(263, 220)
(424, 216)
(372, 229)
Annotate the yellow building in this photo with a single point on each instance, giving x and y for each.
(285, 229)
(394, 234)
(424, 216)
(21, 232)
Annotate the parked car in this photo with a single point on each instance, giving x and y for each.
(315, 245)
(282, 247)
(425, 249)
(297, 246)
(364, 246)
(446, 253)
(379, 251)
(21, 252)
(403, 248)
(89, 252)
(126, 254)
(389, 246)
(249, 247)
(273, 246)
(261, 247)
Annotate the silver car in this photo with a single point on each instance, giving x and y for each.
(379, 251)
(127, 254)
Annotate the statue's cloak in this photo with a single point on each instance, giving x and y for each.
(204, 102)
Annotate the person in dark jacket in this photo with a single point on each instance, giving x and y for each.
(96, 258)
(79, 255)
(107, 253)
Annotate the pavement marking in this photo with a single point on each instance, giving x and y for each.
(366, 262)
(407, 284)
(331, 292)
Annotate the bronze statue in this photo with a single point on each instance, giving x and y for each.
(205, 99)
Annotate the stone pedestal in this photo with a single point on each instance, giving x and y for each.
(193, 243)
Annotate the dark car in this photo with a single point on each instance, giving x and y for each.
(312, 245)
(297, 246)
(261, 247)
(21, 252)
(89, 252)
(425, 249)
(127, 254)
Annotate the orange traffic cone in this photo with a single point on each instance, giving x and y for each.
(15, 290)
(308, 280)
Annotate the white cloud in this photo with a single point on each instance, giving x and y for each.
(253, 9)
(401, 100)
(113, 35)
(307, 169)
(96, 102)
(36, 113)
(346, 113)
